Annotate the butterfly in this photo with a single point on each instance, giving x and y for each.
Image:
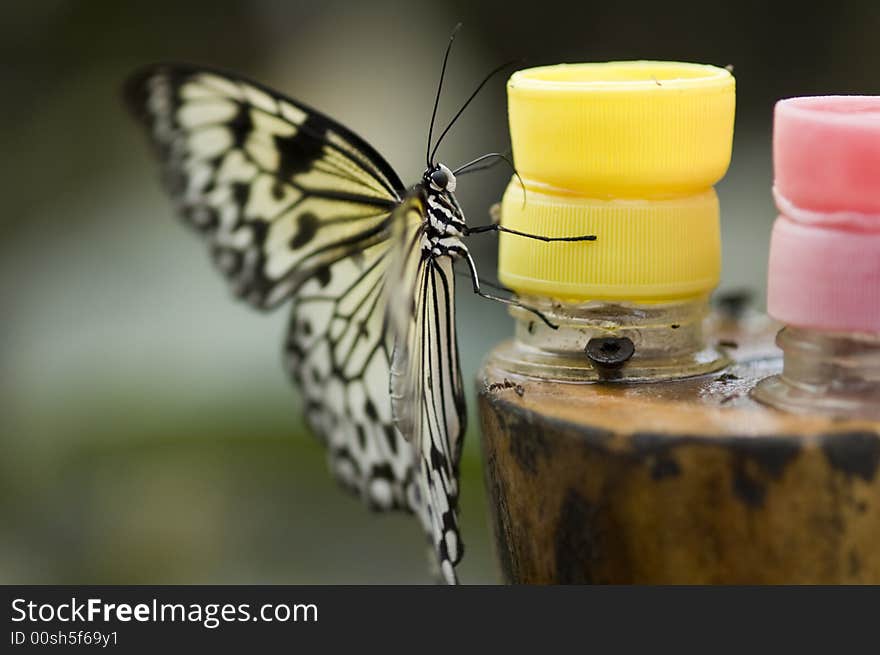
(298, 209)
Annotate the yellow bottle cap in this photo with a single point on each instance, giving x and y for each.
(627, 151)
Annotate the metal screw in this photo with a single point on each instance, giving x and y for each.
(610, 352)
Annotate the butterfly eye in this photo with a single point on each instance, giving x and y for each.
(440, 178)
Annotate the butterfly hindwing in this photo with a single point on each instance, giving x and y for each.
(339, 351)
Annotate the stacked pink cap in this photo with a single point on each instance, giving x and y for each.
(825, 249)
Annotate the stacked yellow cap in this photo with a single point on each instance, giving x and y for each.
(627, 151)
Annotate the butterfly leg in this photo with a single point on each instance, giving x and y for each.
(485, 283)
(495, 227)
(475, 280)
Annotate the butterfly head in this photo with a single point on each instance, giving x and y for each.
(440, 178)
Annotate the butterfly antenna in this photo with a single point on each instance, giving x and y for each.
(437, 97)
(471, 167)
(488, 77)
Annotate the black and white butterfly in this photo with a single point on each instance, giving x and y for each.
(296, 208)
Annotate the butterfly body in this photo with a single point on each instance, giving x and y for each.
(436, 422)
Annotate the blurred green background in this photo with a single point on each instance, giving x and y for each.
(149, 434)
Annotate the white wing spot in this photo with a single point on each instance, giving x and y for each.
(451, 544)
(380, 492)
(260, 99)
(448, 572)
(209, 142)
(199, 176)
(193, 91)
(345, 471)
(224, 86)
(294, 114)
(195, 114)
(268, 125)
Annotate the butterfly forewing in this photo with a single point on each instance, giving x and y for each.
(279, 190)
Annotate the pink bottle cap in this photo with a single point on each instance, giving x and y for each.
(826, 154)
(824, 278)
(825, 250)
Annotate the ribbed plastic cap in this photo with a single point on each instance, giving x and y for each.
(826, 153)
(631, 129)
(824, 270)
(824, 278)
(627, 151)
(646, 250)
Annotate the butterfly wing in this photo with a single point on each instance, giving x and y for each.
(428, 399)
(339, 350)
(293, 205)
(280, 191)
